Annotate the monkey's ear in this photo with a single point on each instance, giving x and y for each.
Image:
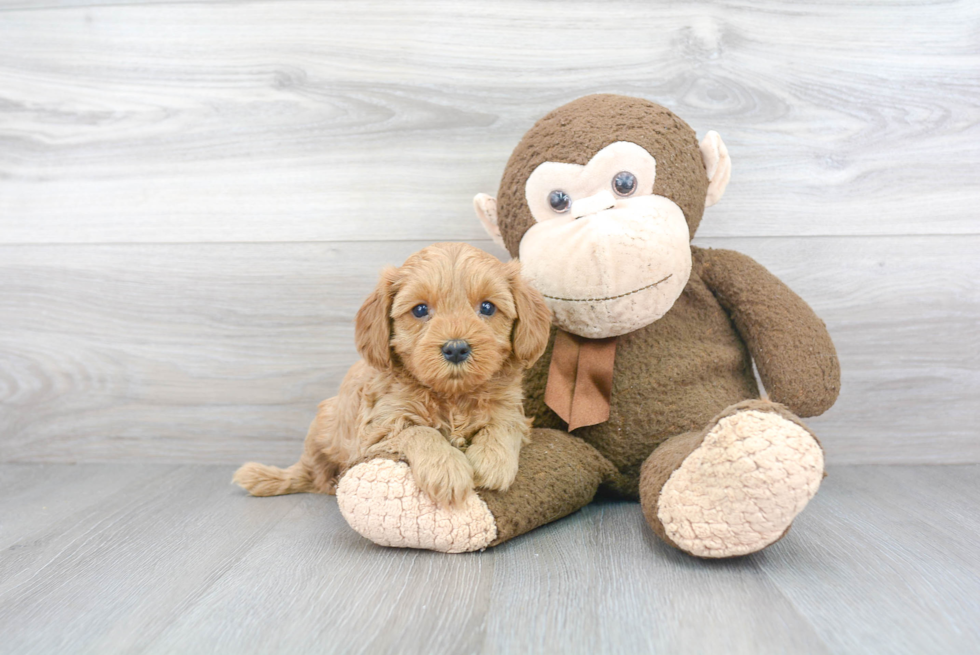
(718, 165)
(486, 210)
(532, 327)
(372, 327)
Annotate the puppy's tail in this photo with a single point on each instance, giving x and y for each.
(261, 480)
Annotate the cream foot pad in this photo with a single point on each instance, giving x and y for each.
(380, 500)
(739, 491)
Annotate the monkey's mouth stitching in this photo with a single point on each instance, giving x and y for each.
(622, 295)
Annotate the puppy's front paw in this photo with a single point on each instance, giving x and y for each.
(494, 465)
(446, 477)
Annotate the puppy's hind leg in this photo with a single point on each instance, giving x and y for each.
(261, 480)
(316, 471)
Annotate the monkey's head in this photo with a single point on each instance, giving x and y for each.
(599, 201)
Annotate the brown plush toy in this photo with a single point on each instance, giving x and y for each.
(647, 388)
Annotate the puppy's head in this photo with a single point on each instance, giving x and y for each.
(452, 316)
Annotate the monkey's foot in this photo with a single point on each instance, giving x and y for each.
(741, 488)
(380, 500)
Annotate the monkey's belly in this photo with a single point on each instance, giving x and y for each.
(670, 377)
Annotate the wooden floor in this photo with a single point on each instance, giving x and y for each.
(108, 558)
(197, 195)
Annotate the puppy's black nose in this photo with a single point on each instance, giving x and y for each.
(456, 351)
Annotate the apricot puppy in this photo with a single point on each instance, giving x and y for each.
(445, 340)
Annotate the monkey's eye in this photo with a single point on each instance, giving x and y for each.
(624, 183)
(487, 308)
(420, 311)
(559, 201)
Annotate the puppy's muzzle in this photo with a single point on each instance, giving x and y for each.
(456, 351)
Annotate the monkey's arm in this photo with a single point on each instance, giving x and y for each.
(789, 343)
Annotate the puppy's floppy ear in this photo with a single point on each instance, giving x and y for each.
(533, 324)
(372, 327)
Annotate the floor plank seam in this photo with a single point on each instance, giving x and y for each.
(201, 593)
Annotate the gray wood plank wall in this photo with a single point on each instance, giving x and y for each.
(195, 197)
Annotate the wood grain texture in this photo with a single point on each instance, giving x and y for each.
(220, 352)
(131, 560)
(166, 559)
(893, 549)
(306, 120)
(196, 196)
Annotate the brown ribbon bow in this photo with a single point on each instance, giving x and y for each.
(580, 379)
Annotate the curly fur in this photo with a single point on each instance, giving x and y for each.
(457, 425)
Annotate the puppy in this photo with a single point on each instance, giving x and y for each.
(445, 340)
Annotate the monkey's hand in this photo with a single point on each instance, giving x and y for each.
(789, 343)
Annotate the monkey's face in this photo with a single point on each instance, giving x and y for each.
(608, 255)
(599, 201)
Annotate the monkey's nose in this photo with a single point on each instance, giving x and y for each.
(456, 351)
(593, 204)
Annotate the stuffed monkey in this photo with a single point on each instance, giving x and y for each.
(647, 389)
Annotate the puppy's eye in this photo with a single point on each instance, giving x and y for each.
(559, 201)
(420, 311)
(487, 308)
(624, 183)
